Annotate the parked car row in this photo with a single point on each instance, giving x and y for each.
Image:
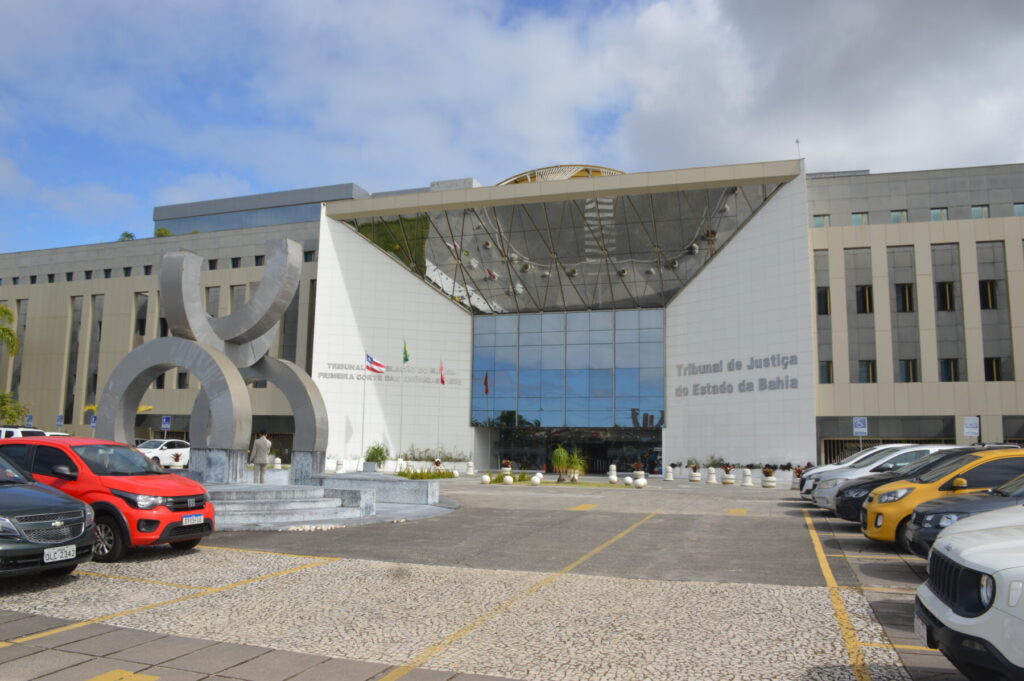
(963, 509)
(65, 500)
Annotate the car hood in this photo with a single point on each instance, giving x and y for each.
(967, 503)
(818, 471)
(873, 480)
(168, 485)
(1003, 517)
(989, 550)
(35, 498)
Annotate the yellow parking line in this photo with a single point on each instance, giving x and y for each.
(846, 630)
(899, 646)
(139, 579)
(174, 601)
(736, 511)
(123, 675)
(433, 651)
(874, 556)
(268, 553)
(584, 507)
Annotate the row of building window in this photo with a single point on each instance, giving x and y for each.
(907, 371)
(147, 270)
(903, 297)
(900, 216)
(182, 382)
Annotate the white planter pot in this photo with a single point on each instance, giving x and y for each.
(695, 476)
(729, 479)
(506, 470)
(639, 474)
(769, 481)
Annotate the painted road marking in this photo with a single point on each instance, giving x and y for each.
(584, 507)
(901, 646)
(874, 556)
(123, 675)
(849, 635)
(433, 651)
(736, 511)
(174, 601)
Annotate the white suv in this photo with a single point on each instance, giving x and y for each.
(18, 431)
(972, 606)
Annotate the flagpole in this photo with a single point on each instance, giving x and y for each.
(362, 429)
(438, 419)
(401, 410)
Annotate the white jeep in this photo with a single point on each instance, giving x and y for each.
(972, 605)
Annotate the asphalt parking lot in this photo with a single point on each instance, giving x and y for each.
(676, 581)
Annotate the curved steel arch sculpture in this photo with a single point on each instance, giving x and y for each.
(223, 353)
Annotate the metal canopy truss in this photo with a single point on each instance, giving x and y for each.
(605, 252)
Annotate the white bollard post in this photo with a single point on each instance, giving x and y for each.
(712, 476)
(485, 479)
(795, 484)
(627, 481)
(469, 468)
(669, 473)
(612, 478)
(277, 463)
(748, 478)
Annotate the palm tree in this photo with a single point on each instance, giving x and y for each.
(8, 337)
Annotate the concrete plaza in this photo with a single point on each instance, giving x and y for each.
(676, 581)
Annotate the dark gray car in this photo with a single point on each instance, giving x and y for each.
(42, 530)
(930, 517)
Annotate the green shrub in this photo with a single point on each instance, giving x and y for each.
(577, 461)
(715, 462)
(377, 452)
(560, 460)
(427, 475)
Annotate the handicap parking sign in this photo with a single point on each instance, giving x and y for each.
(60, 420)
(165, 423)
(92, 421)
(860, 426)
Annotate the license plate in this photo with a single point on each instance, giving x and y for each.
(57, 553)
(921, 629)
(194, 519)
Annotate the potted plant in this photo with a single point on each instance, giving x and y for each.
(506, 467)
(638, 470)
(768, 477)
(376, 455)
(560, 462)
(577, 464)
(694, 467)
(729, 478)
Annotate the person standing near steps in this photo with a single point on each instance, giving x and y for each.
(260, 457)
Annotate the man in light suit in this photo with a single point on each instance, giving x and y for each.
(260, 457)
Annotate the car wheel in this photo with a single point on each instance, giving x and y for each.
(109, 545)
(156, 460)
(61, 571)
(185, 545)
(902, 540)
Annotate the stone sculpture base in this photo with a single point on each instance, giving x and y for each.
(219, 465)
(305, 465)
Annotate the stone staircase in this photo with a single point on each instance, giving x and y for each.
(284, 507)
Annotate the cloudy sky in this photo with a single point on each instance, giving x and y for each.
(108, 108)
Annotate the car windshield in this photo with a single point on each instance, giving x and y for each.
(853, 457)
(117, 460)
(10, 474)
(874, 458)
(945, 468)
(1014, 488)
(150, 444)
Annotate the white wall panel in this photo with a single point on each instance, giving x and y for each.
(753, 301)
(368, 303)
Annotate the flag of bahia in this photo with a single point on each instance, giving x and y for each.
(375, 366)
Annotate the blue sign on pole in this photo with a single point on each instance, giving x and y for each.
(92, 421)
(860, 426)
(60, 420)
(165, 423)
(28, 421)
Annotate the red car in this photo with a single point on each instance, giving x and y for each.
(137, 503)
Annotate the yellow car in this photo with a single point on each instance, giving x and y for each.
(887, 510)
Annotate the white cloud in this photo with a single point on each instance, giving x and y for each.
(87, 202)
(201, 187)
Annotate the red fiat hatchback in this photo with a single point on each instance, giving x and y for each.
(137, 503)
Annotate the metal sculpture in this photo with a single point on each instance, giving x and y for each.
(223, 354)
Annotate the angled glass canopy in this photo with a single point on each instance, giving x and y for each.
(604, 252)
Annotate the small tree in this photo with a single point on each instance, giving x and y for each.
(577, 462)
(11, 411)
(377, 453)
(560, 461)
(8, 337)
(162, 231)
(126, 236)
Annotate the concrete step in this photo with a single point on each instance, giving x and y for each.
(273, 505)
(265, 493)
(273, 518)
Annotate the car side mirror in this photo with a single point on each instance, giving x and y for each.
(883, 467)
(959, 483)
(64, 472)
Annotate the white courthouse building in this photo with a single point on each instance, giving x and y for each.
(747, 312)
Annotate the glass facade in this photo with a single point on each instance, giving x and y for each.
(596, 369)
(260, 217)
